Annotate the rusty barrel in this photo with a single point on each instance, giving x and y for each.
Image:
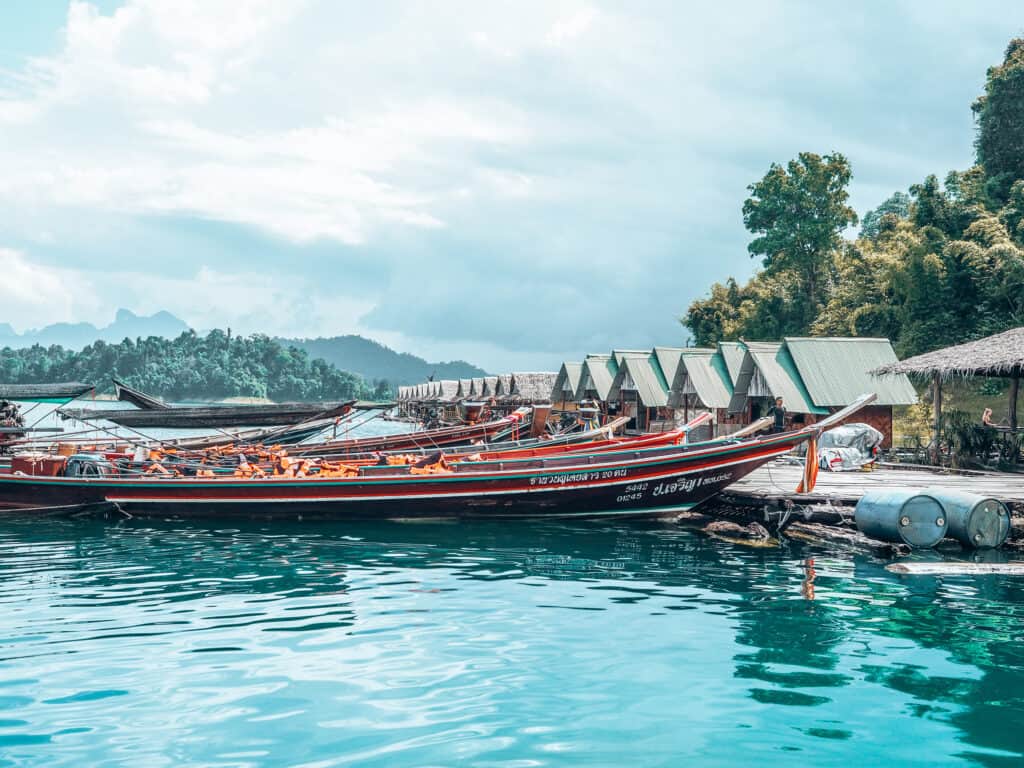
(975, 521)
(908, 516)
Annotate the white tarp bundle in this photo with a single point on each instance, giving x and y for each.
(848, 447)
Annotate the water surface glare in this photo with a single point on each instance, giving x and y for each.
(490, 644)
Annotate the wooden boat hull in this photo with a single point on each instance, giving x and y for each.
(186, 417)
(44, 393)
(634, 483)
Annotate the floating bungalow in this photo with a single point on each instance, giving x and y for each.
(563, 392)
(596, 376)
(819, 376)
(640, 391)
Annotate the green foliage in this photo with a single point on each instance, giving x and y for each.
(193, 367)
(939, 266)
(1000, 115)
(798, 214)
(896, 207)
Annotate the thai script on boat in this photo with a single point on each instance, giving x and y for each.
(578, 477)
(687, 484)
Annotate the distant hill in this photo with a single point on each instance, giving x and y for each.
(373, 361)
(356, 354)
(126, 325)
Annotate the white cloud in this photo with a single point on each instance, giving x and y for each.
(34, 294)
(450, 165)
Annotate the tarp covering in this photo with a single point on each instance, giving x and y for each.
(848, 447)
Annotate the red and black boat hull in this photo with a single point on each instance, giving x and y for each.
(632, 483)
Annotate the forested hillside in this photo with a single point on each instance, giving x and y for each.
(192, 367)
(373, 361)
(938, 264)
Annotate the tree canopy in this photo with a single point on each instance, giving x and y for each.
(940, 264)
(193, 367)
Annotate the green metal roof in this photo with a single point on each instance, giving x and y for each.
(598, 372)
(620, 354)
(568, 381)
(780, 374)
(732, 353)
(708, 374)
(648, 379)
(668, 361)
(836, 370)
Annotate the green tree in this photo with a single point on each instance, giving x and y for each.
(897, 205)
(798, 213)
(1000, 117)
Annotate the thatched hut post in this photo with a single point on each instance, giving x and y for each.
(1014, 389)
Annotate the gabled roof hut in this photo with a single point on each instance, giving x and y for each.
(566, 382)
(490, 386)
(465, 386)
(1001, 355)
(477, 387)
(504, 386)
(768, 371)
(701, 373)
(668, 359)
(640, 373)
(596, 377)
(447, 390)
(732, 353)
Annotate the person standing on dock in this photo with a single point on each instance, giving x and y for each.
(778, 412)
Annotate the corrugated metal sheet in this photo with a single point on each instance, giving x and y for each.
(776, 366)
(620, 354)
(668, 360)
(567, 383)
(732, 354)
(708, 375)
(597, 375)
(836, 371)
(648, 380)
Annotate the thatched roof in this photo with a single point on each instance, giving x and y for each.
(504, 385)
(532, 387)
(465, 387)
(448, 389)
(999, 355)
(490, 386)
(476, 389)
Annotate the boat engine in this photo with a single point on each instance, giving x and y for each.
(88, 465)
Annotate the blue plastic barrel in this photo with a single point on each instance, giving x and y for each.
(974, 520)
(902, 515)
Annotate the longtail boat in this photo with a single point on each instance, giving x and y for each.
(44, 393)
(137, 398)
(276, 414)
(640, 482)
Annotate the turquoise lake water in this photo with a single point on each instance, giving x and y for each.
(491, 644)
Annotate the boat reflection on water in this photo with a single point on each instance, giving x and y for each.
(493, 625)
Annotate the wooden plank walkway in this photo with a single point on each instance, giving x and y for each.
(776, 482)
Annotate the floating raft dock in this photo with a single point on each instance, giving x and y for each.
(776, 484)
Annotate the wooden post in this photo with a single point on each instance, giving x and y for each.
(1014, 389)
(937, 407)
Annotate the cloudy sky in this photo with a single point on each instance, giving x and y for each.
(511, 183)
